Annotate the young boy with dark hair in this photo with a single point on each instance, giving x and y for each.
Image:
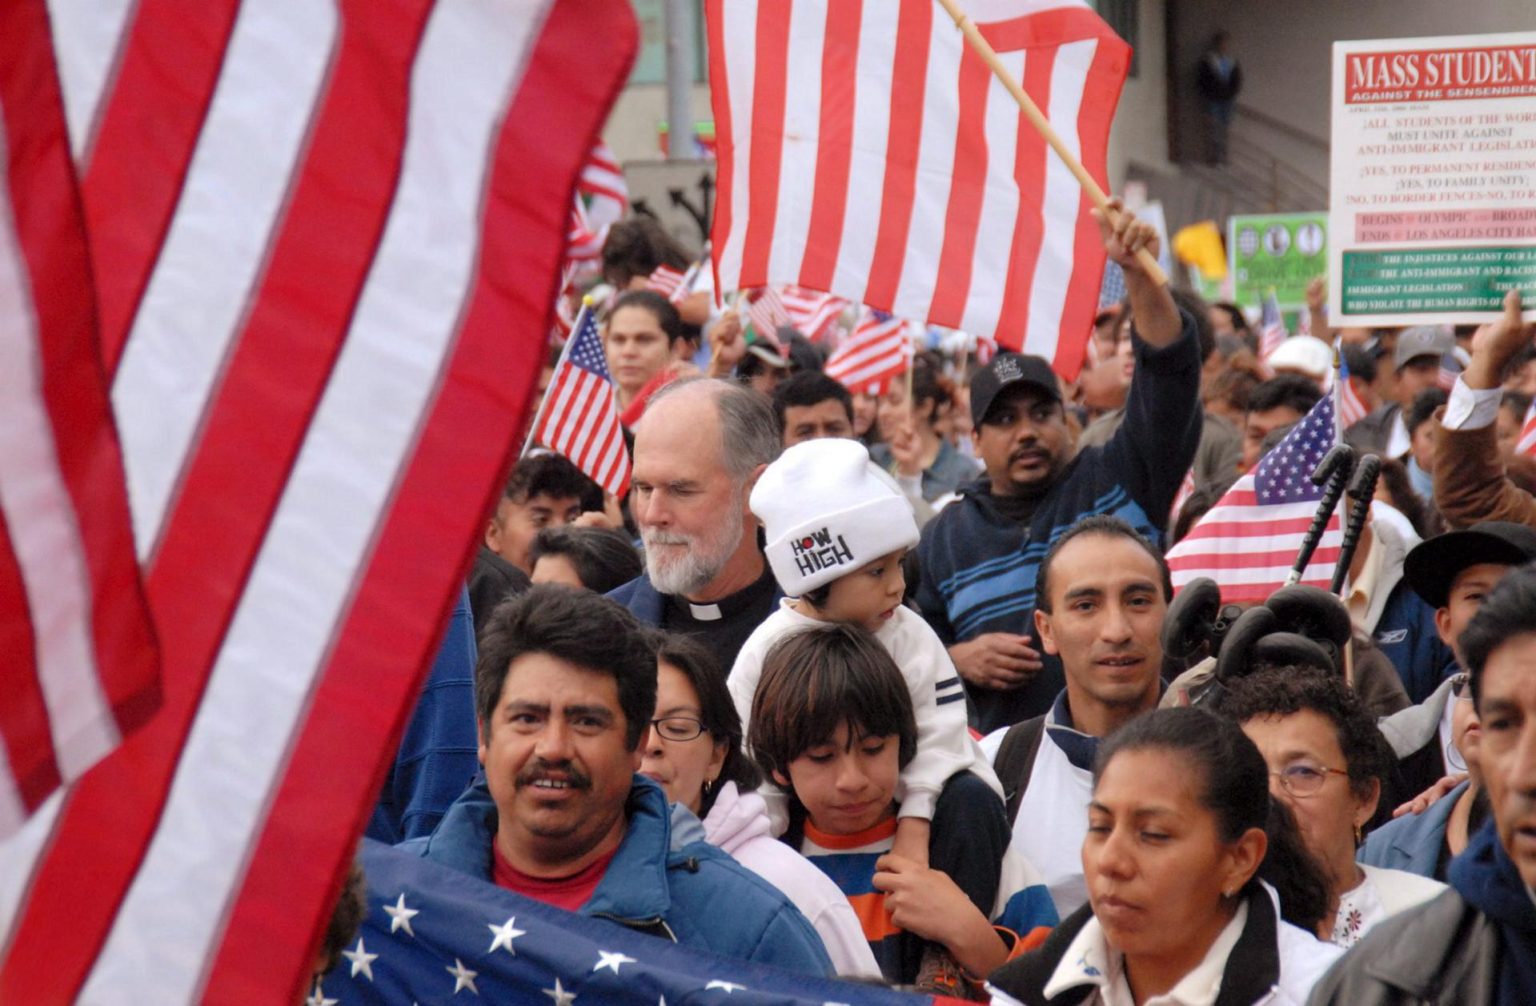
(832, 723)
(837, 528)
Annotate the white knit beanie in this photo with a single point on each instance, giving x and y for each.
(828, 510)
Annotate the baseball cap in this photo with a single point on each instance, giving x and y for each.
(1303, 354)
(1431, 566)
(1422, 340)
(1006, 370)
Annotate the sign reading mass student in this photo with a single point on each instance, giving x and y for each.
(1433, 215)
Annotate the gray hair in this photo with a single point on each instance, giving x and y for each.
(749, 431)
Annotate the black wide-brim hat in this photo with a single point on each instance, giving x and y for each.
(1433, 565)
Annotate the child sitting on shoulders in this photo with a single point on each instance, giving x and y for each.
(837, 529)
(833, 724)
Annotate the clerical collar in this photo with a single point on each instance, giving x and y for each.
(750, 596)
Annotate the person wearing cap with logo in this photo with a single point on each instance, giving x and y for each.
(837, 528)
(1470, 484)
(1417, 356)
(979, 555)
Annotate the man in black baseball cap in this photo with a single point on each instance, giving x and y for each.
(1453, 572)
(978, 556)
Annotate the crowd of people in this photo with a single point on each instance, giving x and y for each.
(888, 670)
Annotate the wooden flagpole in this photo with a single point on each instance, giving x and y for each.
(1043, 127)
(565, 351)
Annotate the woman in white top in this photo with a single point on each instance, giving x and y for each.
(1326, 761)
(1183, 844)
(693, 750)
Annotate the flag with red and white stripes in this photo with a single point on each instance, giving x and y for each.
(765, 313)
(1527, 443)
(602, 186)
(810, 312)
(1249, 540)
(1272, 332)
(325, 241)
(665, 280)
(580, 418)
(865, 149)
(80, 668)
(1351, 408)
(877, 353)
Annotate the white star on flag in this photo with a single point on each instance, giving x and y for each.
(400, 916)
(362, 960)
(560, 996)
(463, 978)
(611, 961)
(317, 998)
(727, 986)
(505, 934)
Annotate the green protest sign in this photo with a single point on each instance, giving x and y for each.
(1283, 251)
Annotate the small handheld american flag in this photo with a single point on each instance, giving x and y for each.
(579, 417)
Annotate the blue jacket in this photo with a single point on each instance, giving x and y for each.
(977, 566)
(1412, 842)
(644, 601)
(439, 753)
(695, 895)
(1405, 633)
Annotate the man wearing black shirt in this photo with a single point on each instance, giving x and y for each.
(699, 449)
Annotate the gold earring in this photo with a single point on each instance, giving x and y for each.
(1359, 838)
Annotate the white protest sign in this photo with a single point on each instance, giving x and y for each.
(1432, 213)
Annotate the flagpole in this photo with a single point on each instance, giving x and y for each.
(1043, 126)
(565, 351)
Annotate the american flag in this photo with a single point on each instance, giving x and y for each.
(810, 312)
(579, 417)
(80, 668)
(1351, 408)
(765, 313)
(1271, 326)
(916, 187)
(1527, 442)
(1450, 369)
(324, 239)
(1248, 541)
(434, 935)
(876, 353)
(665, 280)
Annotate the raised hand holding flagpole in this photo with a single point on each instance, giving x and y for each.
(1043, 127)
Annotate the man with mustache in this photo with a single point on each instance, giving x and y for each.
(978, 557)
(699, 449)
(1476, 943)
(565, 688)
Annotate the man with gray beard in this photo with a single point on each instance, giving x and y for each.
(699, 449)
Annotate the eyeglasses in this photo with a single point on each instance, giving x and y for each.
(1461, 685)
(677, 728)
(1305, 780)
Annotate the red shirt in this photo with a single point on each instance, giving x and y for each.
(569, 893)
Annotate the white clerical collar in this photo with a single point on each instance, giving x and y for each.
(705, 612)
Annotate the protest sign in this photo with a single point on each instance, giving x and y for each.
(1278, 251)
(1433, 198)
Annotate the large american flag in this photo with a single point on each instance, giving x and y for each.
(79, 668)
(878, 352)
(579, 417)
(325, 238)
(865, 149)
(1248, 541)
(435, 935)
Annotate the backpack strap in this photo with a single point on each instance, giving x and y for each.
(1016, 760)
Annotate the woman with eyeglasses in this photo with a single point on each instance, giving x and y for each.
(1326, 762)
(693, 751)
